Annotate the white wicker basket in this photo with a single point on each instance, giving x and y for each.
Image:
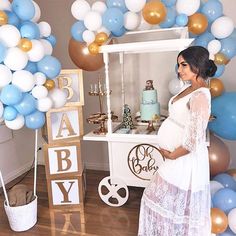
(22, 218)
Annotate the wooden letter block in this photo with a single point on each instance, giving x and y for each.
(63, 160)
(64, 124)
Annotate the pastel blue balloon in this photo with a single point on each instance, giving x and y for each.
(169, 3)
(35, 120)
(223, 108)
(203, 39)
(3, 51)
(24, 9)
(228, 47)
(27, 105)
(120, 4)
(170, 18)
(181, 20)
(77, 30)
(52, 39)
(233, 35)
(113, 19)
(225, 199)
(13, 19)
(228, 232)
(29, 30)
(31, 67)
(226, 180)
(50, 66)
(119, 33)
(212, 10)
(11, 95)
(10, 113)
(220, 70)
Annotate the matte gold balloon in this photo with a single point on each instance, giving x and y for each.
(221, 59)
(219, 156)
(93, 48)
(154, 12)
(197, 23)
(216, 87)
(101, 38)
(81, 57)
(49, 84)
(25, 45)
(219, 221)
(3, 18)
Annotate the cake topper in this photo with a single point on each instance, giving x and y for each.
(149, 85)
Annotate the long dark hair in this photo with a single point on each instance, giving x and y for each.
(198, 59)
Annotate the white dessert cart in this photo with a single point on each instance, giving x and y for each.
(133, 157)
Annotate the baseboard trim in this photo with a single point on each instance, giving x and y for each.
(97, 166)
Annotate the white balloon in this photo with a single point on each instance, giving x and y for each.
(215, 186)
(187, 7)
(9, 35)
(16, 124)
(44, 28)
(88, 36)
(39, 91)
(44, 104)
(24, 80)
(15, 58)
(37, 13)
(47, 46)
(40, 78)
(99, 6)
(105, 30)
(58, 97)
(5, 75)
(135, 6)
(175, 86)
(131, 20)
(5, 5)
(232, 220)
(222, 27)
(1, 109)
(143, 25)
(214, 46)
(37, 51)
(93, 21)
(79, 9)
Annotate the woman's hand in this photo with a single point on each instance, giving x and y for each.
(167, 154)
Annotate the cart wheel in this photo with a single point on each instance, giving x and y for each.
(113, 191)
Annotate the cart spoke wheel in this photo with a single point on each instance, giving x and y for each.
(116, 191)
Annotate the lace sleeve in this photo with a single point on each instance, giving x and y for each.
(195, 129)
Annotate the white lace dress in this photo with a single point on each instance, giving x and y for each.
(177, 200)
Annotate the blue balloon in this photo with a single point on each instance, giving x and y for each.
(225, 199)
(52, 39)
(31, 67)
(223, 108)
(29, 30)
(233, 35)
(203, 39)
(228, 47)
(3, 51)
(120, 4)
(228, 232)
(119, 33)
(212, 10)
(13, 19)
(113, 19)
(170, 18)
(11, 95)
(35, 120)
(77, 30)
(50, 66)
(24, 9)
(169, 3)
(27, 105)
(226, 180)
(181, 20)
(220, 70)
(10, 113)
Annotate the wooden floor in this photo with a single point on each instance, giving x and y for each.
(100, 219)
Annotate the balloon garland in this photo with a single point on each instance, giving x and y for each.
(27, 68)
